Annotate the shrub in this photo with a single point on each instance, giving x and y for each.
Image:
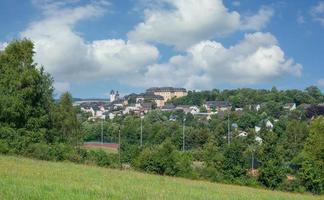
(4, 147)
(40, 151)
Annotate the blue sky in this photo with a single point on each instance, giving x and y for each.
(91, 47)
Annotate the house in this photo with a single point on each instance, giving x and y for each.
(234, 126)
(194, 110)
(269, 124)
(242, 134)
(146, 107)
(173, 118)
(258, 139)
(184, 108)
(88, 110)
(290, 106)
(238, 109)
(132, 108)
(257, 129)
(217, 106)
(304, 106)
(168, 107)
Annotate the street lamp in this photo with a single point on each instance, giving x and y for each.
(228, 129)
(119, 156)
(101, 131)
(183, 134)
(142, 118)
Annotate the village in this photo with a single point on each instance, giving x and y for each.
(158, 98)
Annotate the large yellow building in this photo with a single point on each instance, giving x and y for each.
(167, 92)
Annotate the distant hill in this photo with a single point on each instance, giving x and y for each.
(22, 178)
(89, 99)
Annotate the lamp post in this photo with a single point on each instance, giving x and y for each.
(228, 129)
(183, 134)
(119, 153)
(101, 131)
(142, 118)
(252, 164)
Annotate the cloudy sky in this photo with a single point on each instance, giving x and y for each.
(91, 47)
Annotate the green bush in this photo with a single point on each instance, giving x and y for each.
(4, 147)
(40, 151)
(164, 160)
(100, 158)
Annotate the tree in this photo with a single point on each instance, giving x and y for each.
(163, 159)
(271, 171)
(312, 169)
(26, 94)
(66, 124)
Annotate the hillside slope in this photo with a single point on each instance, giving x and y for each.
(22, 178)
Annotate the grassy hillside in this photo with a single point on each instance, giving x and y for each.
(22, 178)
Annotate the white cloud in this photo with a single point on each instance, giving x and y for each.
(317, 12)
(190, 21)
(205, 63)
(62, 87)
(3, 45)
(320, 83)
(257, 58)
(68, 57)
(257, 21)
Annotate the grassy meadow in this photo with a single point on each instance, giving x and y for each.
(22, 178)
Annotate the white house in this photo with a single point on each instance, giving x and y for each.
(290, 106)
(269, 125)
(242, 134)
(258, 139)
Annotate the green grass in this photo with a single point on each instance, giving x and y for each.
(22, 178)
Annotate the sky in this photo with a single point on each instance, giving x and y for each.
(93, 46)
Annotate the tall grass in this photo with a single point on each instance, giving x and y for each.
(22, 178)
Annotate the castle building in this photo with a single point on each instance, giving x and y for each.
(167, 92)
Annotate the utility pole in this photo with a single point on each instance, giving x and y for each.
(142, 117)
(119, 153)
(183, 134)
(228, 129)
(252, 164)
(101, 131)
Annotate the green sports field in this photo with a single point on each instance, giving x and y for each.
(22, 178)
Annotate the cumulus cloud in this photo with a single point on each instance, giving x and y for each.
(257, 21)
(67, 56)
(188, 24)
(317, 12)
(190, 21)
(320, 83)
(257, 58)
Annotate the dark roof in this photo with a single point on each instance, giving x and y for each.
(147, 96)
(217, 103)
(146, 105)
(168, 106)
(165, 89)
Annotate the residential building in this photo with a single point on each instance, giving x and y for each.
(217, 106)
(290, 106)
